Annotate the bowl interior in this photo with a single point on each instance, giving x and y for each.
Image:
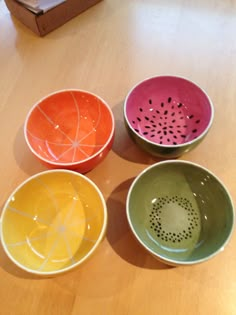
(69, 126)
(180, 212)
(53, 221)
(168, 110)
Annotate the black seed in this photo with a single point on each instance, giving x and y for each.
(162, 104)
(194, 130)
(152, 121)
(136, 130)
(182, 117)
(150, 101)
(170, 131)
(164, 128)
(185, 126)
(191, 116)
(154, 125)
(178, 131)
(160, 142)
(152, 136)
(178, 126)
(198, 121)
(173, 121)
(133, 121)
(169, 99)
(170, 126)
(154, 116)
(165, 112)
(159, 131)
(146, 118)
(147, 127)
(153, 130)
(183, 136)
(140, 109)
(160, 124)
(173, 114)
(172, 106)
(165, 133)
(174, 143)
(180, 112)
(161, 137)
(145, 133)
(157, 111)
(180, 105)
(168, 140)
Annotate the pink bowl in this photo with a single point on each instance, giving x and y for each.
(168, 115)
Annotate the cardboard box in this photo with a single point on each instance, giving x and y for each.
(44, 23)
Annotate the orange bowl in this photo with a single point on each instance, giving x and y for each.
(70, 129)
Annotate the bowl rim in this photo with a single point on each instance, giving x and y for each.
(92, 250)
(163, 258)
(55, 163)
(180, 145)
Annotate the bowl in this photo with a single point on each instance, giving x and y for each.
(53, 222)
(167, 116)
(71, 129)
(180, 212)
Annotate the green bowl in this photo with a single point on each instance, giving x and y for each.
(180, 212)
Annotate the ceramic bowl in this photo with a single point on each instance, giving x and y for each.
(180, 212)
(167, 116)
(53, 222)
(70, 129)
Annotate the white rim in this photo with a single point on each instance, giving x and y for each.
(68, 163)
(168, 260)
(167, 145)
(42, 273)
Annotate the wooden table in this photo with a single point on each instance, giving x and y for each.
(106, 50)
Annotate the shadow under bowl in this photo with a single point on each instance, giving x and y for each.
(180, 212)
(71, 129)
(167, 115)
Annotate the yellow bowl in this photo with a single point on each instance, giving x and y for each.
(53, 222)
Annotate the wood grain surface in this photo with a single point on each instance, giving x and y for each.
(106, 50)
